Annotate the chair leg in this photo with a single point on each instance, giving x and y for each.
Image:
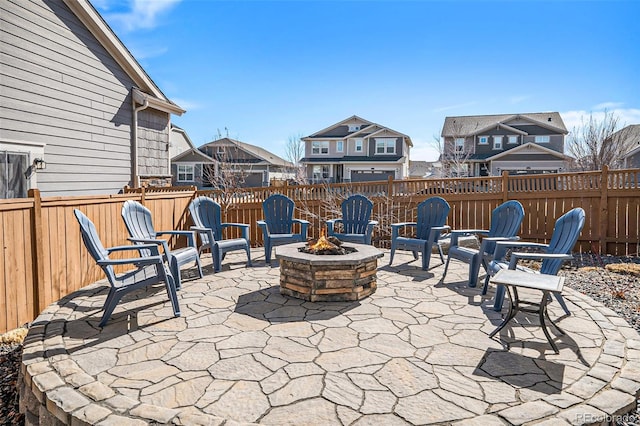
(173, 296)
(426, 259)
(499, 298)
(474, 269)
(446, 267)
(175, 271)
(267, 253)
(415, 254)
(248, 250)
(393, 250)
(562, 303)
(441, 252)
(199, 265)
(485, 287)
(110, 304)
(217, 264)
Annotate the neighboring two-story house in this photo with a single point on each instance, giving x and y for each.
(79, 114)
(356, 150)
(226, 162)
(631, 135)
(484, 145)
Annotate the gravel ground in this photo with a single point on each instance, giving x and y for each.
(587, 274)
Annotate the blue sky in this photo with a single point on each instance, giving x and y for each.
(265, 71)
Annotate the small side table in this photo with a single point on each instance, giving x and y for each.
(512, 279)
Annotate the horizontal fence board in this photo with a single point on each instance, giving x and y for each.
(611, 205)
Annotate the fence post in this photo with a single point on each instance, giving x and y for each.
(505, 186)
(604, 208)
(37, 252)
(143, 192)
(390, 186)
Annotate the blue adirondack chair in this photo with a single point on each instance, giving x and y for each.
(207, 217)
(431, 216)
(566, 231)
(149, 269)
(355, 221)
(139, 223)
(505, 224)
(277, 226)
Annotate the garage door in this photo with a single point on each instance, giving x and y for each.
(367, 176)
(252, 180)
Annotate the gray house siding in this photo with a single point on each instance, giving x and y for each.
(153, 147)
(62, 88)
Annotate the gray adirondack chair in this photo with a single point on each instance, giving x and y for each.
(355, 224)
(566, 231)
(207, 217)
(277, 226)
(139, 223)
(149, 269)
(430, 218)
(505, 224)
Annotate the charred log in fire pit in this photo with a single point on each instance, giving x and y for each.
(326, 246)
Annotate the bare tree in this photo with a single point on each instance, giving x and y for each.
(597, 142)
(226, 176)
(294, 152)
(454, 155)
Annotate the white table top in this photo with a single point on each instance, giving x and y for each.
(524, 279)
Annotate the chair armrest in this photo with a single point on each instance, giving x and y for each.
(373, 223)
(137, 247)
(401, 224)
(301, 221)
(435, 230)
(536, 256)
(132, 261)
(204, 230)
(199, 228)
(189, 234)
(304, 226)
(456, 233)
(243, 226)
(156, 241)
(502, 247)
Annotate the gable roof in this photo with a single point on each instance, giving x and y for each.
(475, 124)
(147, 89)
(631, 132)
(369, 129)
(256, 151)
(528, 146)
(192, 151)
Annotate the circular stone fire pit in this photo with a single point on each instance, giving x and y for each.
(328, 278)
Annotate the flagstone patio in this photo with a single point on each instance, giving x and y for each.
(417, 351)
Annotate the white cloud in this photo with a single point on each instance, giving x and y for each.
(142, 14)
(186, 104)
(607, 106)
(458, 106)
(626, 116)
(423, 151)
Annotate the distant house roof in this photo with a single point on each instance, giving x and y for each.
(353, 158)
(476, 124)
(527, 147)
(256, 151)
(147, 89)
(630, 132)
(367, 128)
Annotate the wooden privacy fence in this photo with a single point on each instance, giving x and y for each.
(44, 258)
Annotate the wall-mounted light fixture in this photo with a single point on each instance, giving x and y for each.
(39, 164)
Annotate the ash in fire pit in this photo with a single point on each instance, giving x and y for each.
(326, 245)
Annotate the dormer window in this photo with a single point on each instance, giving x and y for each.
(354, 127)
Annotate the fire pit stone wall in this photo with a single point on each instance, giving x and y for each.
(328, 278)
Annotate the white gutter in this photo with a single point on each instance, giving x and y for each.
(135, 177)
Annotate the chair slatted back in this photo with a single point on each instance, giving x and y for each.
(206, 213)
(278, 212)
(93, 243)
(505, 222)
(356, 213)
(137, 219)
(431, 212)
(565, 235)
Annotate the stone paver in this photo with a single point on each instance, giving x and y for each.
(417, 351)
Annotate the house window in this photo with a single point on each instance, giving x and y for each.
(359, 145)
(339, 146)
(320, 172)
(354, 127)
(497, 142)
(385, 146)
(459, 144)
(185, 173)
(13, 174)
(483, 140)
(320, 147)
(542, 139)
(513, 139)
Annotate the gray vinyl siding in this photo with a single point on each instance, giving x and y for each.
(61, 87)
(153, 148)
